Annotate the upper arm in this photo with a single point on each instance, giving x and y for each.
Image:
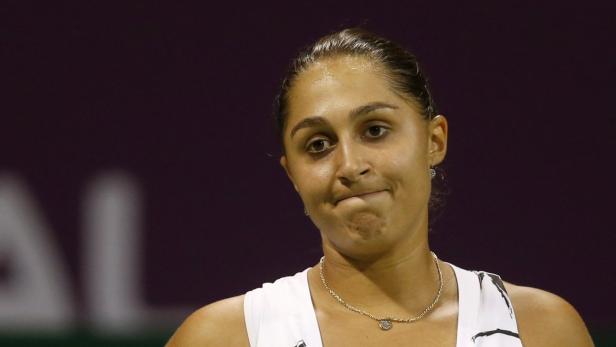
(218, 324)
(545, 319)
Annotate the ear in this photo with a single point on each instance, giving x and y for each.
(437, 145)
(284, 164)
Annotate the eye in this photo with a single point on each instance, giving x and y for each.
(318, 145)
(375, 131)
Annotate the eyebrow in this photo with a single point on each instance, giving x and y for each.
(356, 112)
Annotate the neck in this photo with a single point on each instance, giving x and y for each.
(392, 284)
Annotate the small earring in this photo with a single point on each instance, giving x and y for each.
(432, 173)
(306, 212)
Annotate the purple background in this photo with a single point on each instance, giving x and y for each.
(180, 97)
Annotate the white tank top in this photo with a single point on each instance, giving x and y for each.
(281, 314)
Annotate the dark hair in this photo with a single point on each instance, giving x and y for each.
(400, 67)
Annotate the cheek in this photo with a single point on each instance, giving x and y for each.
(406, 168)
(313, 182)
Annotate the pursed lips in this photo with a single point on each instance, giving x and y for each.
(357, 195)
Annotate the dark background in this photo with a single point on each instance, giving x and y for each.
(180, 96)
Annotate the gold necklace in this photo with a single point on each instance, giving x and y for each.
(385, 323)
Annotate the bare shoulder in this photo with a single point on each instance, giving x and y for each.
(545, 319)
(218, 324)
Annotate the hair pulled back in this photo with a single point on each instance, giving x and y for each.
(400, 66)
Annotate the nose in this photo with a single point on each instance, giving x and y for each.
(351, 163)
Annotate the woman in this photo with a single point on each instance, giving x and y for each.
(361, 138)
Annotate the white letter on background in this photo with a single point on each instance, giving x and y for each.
(37, 294)
(112, 253)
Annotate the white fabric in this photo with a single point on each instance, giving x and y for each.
(485, 313)
(281, 314)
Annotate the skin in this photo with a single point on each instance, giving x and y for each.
(358, 153)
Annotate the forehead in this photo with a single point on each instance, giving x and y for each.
(338, 83)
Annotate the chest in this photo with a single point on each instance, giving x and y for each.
(356, 330)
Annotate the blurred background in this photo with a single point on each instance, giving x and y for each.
(139, 175)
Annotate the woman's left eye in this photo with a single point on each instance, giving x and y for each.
(375, 131)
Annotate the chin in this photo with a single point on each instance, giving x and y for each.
(364, 236)
(366, 226)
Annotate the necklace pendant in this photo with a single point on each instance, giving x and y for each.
(385, 324)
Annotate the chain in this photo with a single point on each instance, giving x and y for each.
(385, 322)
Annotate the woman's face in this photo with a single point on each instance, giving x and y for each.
(359, 155)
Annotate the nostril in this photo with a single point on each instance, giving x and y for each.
(345, 181)
(352, 175)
